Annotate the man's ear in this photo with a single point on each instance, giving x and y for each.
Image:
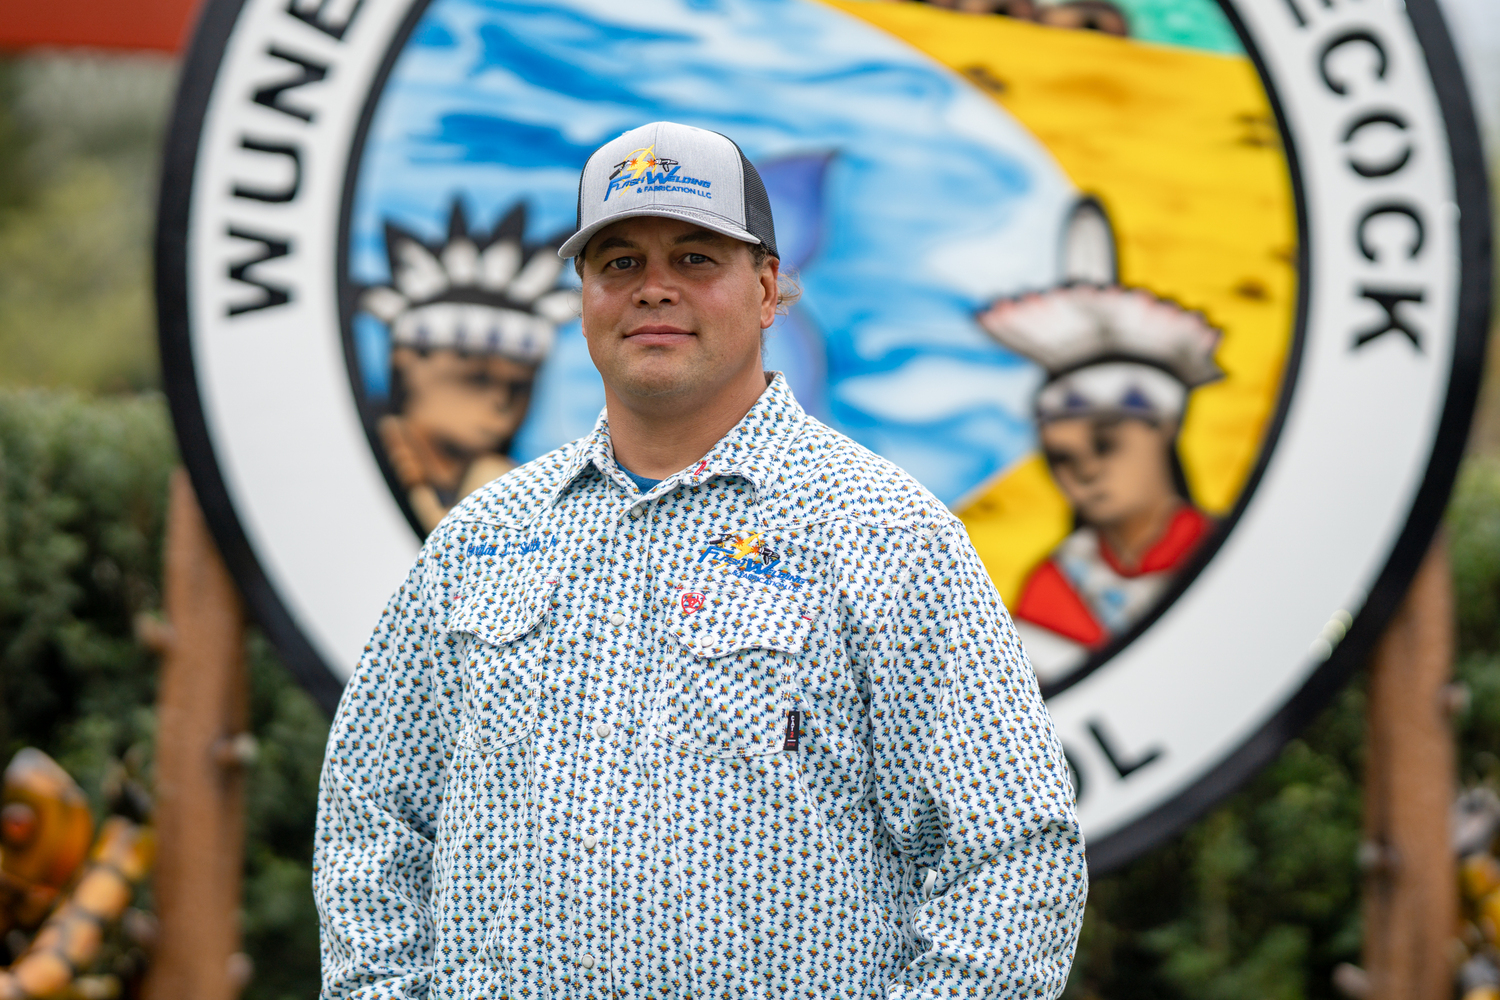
(770, 288)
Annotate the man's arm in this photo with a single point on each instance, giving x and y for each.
(973, 786)
(377, 810)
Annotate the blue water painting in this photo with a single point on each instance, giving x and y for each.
(904, 198)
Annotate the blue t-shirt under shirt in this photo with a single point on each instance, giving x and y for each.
(641, 482)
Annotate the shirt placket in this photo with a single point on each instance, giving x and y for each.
(609, 721)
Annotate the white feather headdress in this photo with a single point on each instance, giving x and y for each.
(1107, 349)
(479, 293)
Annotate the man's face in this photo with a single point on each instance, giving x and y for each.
(465, 405)
(1110, 468)
(673, 310)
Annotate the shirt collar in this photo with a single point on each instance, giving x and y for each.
(754, 449)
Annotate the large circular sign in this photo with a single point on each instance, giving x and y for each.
(1180, 306)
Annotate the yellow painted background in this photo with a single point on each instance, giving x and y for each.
(1181, 148)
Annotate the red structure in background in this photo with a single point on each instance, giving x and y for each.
(159, 25)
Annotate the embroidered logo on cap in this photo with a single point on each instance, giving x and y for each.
(643, 171)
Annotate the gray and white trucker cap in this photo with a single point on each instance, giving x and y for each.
(675, 172)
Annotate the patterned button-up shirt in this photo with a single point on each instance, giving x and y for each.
(763, 731)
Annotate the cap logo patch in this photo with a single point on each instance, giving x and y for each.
(643, 171)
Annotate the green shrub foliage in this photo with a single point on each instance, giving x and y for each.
(83, 491)
(1259, 900)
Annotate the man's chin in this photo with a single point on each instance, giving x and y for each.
(658, 384)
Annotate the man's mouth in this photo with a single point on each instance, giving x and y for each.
(659, 335)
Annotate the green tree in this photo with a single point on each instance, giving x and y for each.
(80, 140)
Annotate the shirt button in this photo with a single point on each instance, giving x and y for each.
(603, 729)
(589, 841)
(617, 619)
(587, 961)
(636, 512)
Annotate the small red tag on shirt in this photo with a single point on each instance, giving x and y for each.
(793, 730)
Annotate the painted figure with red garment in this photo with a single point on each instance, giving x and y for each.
(1119, 367)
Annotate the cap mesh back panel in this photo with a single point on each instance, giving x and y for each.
(757, 206)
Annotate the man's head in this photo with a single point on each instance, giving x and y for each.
(677, 254)
(674, 311)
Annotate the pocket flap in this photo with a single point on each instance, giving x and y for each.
(504, 608)
(720, 620)
(500, 673)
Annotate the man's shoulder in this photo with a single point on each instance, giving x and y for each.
(832, 476)
(515, 498)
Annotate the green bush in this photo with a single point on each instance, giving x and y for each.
(82, 511)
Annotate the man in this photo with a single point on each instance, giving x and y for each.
(1120, 367)
(710, 703)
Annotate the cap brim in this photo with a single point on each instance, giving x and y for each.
(575, 243)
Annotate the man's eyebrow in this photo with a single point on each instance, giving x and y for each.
(701, 236)
(614, 243)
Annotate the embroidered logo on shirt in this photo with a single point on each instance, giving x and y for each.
(692, 601)
(744, 555)
(513, 548)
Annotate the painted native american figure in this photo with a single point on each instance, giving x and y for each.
(1120, 365)
(471, 320)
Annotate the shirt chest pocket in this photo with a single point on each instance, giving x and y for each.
(501, 633)
(730, 671)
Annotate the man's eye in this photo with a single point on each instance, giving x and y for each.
(696, 258)
(621, 264)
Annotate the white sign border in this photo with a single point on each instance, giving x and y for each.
(211, 396)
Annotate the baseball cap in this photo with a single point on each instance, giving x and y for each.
(674, 172)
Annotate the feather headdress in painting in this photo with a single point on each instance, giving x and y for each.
(480, 293)
(1108, 349)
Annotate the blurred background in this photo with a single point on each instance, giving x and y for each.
(1257, 901)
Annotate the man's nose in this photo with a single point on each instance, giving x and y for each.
(658, 286)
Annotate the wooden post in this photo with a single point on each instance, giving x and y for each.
(201, 750)
(1410, 886)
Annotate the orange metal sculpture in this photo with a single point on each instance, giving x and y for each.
(53, 883)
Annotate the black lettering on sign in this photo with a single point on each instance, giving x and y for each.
(1390, 166)
(286, 193)
(1396, 208)
(332, 17)
(271, 248)
(270, 95)
(1074, 775)
(1389, 299)
(1341, 86)
(1296, 12)
(1123, 767)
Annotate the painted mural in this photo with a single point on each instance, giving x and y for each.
(1047, 255)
